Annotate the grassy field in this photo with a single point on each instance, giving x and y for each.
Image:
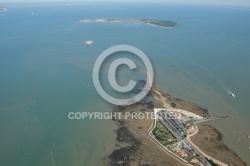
(162, 134)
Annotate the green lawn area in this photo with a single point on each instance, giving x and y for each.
(162, 134)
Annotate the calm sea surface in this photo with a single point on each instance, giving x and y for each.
(46, 72)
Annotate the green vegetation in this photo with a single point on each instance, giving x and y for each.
(162, 134)
(211, 162)
(173, 105)
(161, 23)
(155, 22)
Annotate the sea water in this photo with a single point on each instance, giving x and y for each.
(46, 72)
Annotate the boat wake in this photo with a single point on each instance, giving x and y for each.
(226, 89)
(52, 154)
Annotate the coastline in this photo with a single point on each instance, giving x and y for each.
(171, 153)
(217, 150)
(133, 145)
(203, 151)
(151, 22)
(137, 133)
(205, 154)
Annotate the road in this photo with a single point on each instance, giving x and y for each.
(180, 137)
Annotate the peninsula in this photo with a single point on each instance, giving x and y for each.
(153, 22)
(174, 137)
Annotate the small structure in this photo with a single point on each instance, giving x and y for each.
(190, 127)
(88, 42)
(175, 115)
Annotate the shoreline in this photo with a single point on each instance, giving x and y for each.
(216, 149)
(150, 22)
(168, 151)
(137, 133)
(204, 153)
(188, 139)
(166, 105)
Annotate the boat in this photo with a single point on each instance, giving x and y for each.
(231, 94)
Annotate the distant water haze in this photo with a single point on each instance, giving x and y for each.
(46, 72)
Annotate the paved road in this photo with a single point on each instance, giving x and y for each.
(171, 127)
(198, 152)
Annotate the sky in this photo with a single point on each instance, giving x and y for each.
(243, 3)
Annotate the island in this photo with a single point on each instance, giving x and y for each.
(176, 136)
(153, 22)
(2, 10)
(88, 42)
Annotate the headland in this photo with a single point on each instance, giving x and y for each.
(162, 141)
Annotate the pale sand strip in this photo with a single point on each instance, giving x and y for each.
(209, 157)
(167, 106)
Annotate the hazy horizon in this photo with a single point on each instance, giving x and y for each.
(241, 3)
